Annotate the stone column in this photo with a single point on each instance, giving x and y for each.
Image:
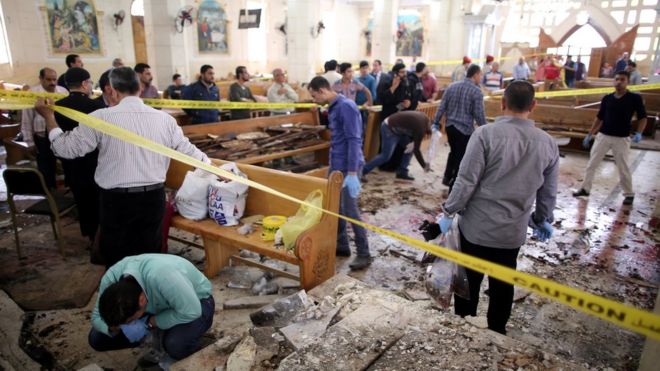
(301, 16)
(383, 46)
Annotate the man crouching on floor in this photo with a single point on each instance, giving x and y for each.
(152, 292)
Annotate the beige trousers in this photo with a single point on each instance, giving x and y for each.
(620, 147)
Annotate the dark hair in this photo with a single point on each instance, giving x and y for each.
(344, 66)
(378, 61)
(568, 56)
(239, 70)
(330, 65)
(104, 80)
(140, 67)
(124, 80)
(205, 68)
(318, 83)
(519, 96)
(420, 67)
(175, 76)
(120, 301)
(472, 70)
(624, 73)
(364, 64)
(71, 59)
(632, 64)
(42, 72)
(397, 67)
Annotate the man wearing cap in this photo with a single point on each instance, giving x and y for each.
(489, 63)
(459, 72)
(462, 104)
(79, 172)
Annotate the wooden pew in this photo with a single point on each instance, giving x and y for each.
(321, 151)
(315, 248)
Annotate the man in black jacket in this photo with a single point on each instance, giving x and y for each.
(79, 172)
(394, 92)
(415, 82)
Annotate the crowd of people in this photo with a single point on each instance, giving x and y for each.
(501, 177)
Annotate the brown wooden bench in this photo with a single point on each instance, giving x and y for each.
(314, 250)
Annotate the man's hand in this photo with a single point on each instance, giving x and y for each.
(637, 137)
(587, 139)
(406, 103)
(281, 91)
(42, 106)
(543, 232)
(135, 330)
(445, 223)
(353, 184)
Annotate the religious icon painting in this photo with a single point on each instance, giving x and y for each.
(212, 28)
(409, 35)
(72, 27)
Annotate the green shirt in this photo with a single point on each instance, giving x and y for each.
(173, 286)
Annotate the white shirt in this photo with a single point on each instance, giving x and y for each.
(121, 164)
(332, 77)
(290, 96)
(33, 123)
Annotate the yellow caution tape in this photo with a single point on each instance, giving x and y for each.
(570, 93)
(637, 320)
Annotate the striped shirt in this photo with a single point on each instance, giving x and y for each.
(33, 123)
(463, 103)
(121, 164)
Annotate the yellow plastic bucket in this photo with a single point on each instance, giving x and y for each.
(270, 225)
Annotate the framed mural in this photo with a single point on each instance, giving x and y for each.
(409, 35)
(212, 28)
(72, 27)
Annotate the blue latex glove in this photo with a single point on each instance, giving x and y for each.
(543, 232)
(637, 137)
(353, 184)
(136, 330)
(445, 224)
(585, 142)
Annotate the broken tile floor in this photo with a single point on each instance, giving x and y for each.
(385, 321)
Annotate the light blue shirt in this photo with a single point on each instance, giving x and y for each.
(521, 72)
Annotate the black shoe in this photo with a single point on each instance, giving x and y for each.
(346, 253)
(580, 192)
(360, 262)
(446, 182)
(404, 177)
(628, 200)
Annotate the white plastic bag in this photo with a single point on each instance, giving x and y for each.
(444, 278)
(434, 146)
(192, 198)
(226, 202)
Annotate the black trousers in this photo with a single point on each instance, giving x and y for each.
(46, 161)
(79, 176)
(500, 293)
(131, 224)
(457, 144)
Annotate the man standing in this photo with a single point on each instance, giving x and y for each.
(331, 73)
(613, 125)
(404, 129)
(394, 92)
(462, 104)
(367, 80)
(238, 92)
(33, 127)
(72, 60)
(152, 291)
(508, 166)
(377, 71)
(117, 62)
(79, 172)
(175, 90)
(489, 63)
(131, 179)
(580, 70)
(346, 156)
(430, 84)
(204, 89)
(622, 63)
(147, 89)
(569, 74)
(635, 76)
(521, 70)
(348, 86)
(416, 86)
(281, 92)
(460, 71)
(107, 98)
(493, 80)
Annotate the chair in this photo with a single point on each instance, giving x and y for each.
(30, 182)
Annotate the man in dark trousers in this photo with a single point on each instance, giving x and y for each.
(510, 169)
(405, 129)
(79, 172)
(462, 104)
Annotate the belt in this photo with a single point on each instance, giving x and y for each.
(139, 189)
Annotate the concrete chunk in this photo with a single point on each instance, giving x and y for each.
(281, 312)
(251, 302)
(244, 356)
(301, 333)
(213, 356)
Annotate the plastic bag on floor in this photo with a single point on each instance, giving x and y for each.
(305, 218)
(434, 146)
(226, 202)
(192, 198)
(443, 277)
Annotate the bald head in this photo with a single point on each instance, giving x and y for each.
(278, 75)
(48, 79)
